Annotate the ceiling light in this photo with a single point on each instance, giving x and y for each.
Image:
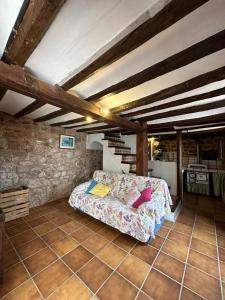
(89, 119)
(104, 111)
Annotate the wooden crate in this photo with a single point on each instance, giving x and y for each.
(15, 203)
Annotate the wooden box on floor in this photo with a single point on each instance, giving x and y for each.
(15, 203)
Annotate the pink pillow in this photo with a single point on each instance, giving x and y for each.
(131, 196)
(146, 195)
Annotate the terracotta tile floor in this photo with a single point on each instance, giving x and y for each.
(59, 253)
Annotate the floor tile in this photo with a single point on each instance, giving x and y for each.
(201, 283)
(64, 246)
(95, 243)
(54, 235)
(10, 258)
(170, 266)
(222, 270)
(77, 258)
(17, 229)
(30, 248)
(109, 233)
(177, 236)
(159, 286)
(13, 223)
(52, 277)
(163, 231)
(82, 234)
(24, 237)
(26, 291)
(168, 223)
(222, 254)
(221, 241)
(96, 225)
(142, 296)
(176, 248)
(40, 260)
(204, 247)
(182, 228)
(115, 288)
(189, 295)
(100, 271)
(83, 218)
(13, 277)
(205, 227)
(60, 220)
(112, 255)
(204, 263)
(145, 252)
(70, 227)
(205, 237)
(44, 228)
(38, 221)
(72, 289)
(134, 269)
(157, 242)
(125, 242)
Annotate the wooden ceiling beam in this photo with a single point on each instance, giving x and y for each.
(29, 109)
(183, 111)
(19, 80)
(169, 15)
(176, 61)
(36, 21)
(218, 118)
(52, 115)
(182, 101)
(36, 18)
(186, 86)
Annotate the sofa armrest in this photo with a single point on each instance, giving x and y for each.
(81, 188)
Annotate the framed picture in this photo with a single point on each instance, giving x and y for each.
(67, 142)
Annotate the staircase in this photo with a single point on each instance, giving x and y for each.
(121, 151)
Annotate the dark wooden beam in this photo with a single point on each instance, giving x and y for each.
(182, 101)
(169, 15)
(186, 86)
(29, 109)
(78, 126)
(179, 166)
(184, 111)
(36, 21)
(176, 61)
(2, 93)
(142, 153)
(93, 128)
(218, 118)
(19, 80)
(52, 115)
(69, 122)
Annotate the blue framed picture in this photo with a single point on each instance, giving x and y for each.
(67, 142)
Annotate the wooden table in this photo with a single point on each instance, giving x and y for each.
(2, 228)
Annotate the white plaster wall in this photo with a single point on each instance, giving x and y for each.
(167, 171)
(130, 141)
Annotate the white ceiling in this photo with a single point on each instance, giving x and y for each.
(84, 29)
(8, 14)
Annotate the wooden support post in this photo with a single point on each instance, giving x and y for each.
(142, 152)
(2, 228)
(179, 166)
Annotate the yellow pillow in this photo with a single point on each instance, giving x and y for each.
(100, 190)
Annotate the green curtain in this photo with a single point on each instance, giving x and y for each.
(219, 184)
(198, 188)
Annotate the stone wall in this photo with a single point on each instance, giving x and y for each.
(30, 156)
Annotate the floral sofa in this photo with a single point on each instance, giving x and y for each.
(139, 223)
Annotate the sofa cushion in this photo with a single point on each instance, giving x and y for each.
(131, 196)
(90, 187)
(100, 190)
(145, 196)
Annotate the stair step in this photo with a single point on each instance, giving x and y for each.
(128, 162)
(120, 147)
(112, 140)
